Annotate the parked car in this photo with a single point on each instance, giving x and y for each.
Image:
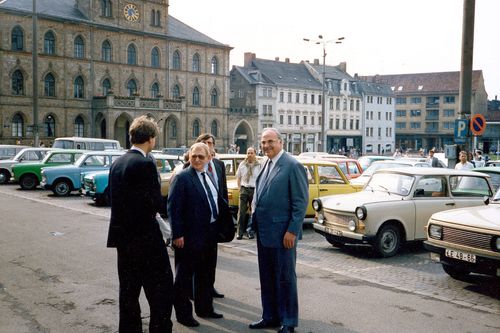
(29, 175)
(366, 160)
(9, 151)
(64, 179)
(492, 163)
(349, 166)
(387, 164)
(466, 240)
(24, 156)
(175, 151)
(76, 142)
(395, 205)
(493, 172)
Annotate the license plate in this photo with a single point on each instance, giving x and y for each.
(334, 231)
(469, 257)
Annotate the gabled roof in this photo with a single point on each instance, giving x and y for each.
(376, 89)
(66, 10)
(332, 72)
(253, 75)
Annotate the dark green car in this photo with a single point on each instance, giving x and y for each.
(29, 175)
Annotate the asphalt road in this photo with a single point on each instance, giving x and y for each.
(56, 275)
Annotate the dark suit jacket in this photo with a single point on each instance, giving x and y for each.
(135, 199)
(220, 168)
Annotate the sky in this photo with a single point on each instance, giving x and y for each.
(381, 36)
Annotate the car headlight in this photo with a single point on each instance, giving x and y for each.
(320, 218)
(436, 231)
(496, 244)
(316, 204)
(352, 225)
(361, 212)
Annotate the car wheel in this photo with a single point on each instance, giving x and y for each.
(334, 242)
(456, 272)
(28, 182)
(388, 240)
(4, 176)
(62, 188)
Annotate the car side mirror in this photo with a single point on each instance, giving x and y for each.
(486, 200)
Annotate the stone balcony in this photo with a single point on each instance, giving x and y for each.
(138, 102)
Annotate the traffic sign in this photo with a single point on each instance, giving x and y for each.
(461, 129)
(477, 124)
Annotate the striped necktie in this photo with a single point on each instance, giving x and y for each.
(211, 200)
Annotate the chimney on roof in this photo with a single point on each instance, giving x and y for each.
(287, 60)
(316, 61)
(356, 77)
(248, 58)
(276, 58)
(343, 66)
(375, 78)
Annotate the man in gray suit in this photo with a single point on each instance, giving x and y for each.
(279, 207)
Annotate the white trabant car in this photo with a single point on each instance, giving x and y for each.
(467, 240)
(395, 205)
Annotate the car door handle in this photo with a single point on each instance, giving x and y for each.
(450, 204)
(323, 189)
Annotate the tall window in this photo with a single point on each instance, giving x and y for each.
(106, 8)
(49, 85)
(17, 39)
(214, 129)
(214, 98)
(106, 87)
(17, 126)
(176, 92)
(131, 55)
(155, 18)
(106, 51)
(131, 87)
(79, 126)
(49, 126)
(155, 57)
(176, 60)
(49, 43)
(17, 83)
(155, 90)
(173, 128)
(196, 62)
(78, 88)
(214, 66)
(79, 47)
(196, 96)
(196, 128)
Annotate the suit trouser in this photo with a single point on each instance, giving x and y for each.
(278, 282)
(144, 263)
(246, 196)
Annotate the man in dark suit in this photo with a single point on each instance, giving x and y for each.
(142, 254)
(279, 207)
(193, 209)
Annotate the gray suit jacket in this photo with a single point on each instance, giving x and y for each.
(282, 204)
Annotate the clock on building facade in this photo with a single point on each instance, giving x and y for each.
(131, 12)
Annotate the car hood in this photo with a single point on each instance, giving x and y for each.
(349, 202)
(485, 217)
(7, 162)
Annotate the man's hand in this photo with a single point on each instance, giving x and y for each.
(288, 240)
(179, 242)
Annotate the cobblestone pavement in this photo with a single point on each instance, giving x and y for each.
(410, 271)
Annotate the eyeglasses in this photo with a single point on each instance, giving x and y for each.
(200, 157)
(268, 142)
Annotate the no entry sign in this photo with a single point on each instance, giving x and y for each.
(477, 124)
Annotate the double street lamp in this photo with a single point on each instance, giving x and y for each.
(321, 40)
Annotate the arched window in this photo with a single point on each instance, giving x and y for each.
(49, 126)
(17, 83)
(106, 54)
(79, 47)
(173, 129)
(49, 85)
(131, 55)
(214, 129)
(49, 43)
(155, 90)
(196, 62)
(214, 98)
(106, 87)
(78, 88)
(214, 66)
(196, 96)
(79, 127)
(17, 39)
(155, 58)
(131, 87)
(176, 92)
(17, 126)
(106, 8)
(196, 128)
(176, 60)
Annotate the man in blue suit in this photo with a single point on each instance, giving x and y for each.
(279, 207)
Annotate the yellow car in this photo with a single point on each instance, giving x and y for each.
(325, 178)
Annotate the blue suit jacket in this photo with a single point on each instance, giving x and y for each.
(282, 205)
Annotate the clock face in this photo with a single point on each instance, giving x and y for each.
(131, 12)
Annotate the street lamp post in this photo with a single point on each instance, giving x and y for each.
(35, 75)
(320, 40)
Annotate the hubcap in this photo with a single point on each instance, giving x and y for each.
(389, 241)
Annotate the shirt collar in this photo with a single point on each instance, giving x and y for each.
(277, 157)
(140, 150)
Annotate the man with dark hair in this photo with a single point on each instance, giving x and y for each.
(134, 231)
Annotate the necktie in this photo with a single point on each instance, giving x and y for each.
(211, 175)
(213, 207)
(263, 181)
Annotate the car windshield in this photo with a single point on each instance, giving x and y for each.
(391, 183)
(376, 166)
(497, 196)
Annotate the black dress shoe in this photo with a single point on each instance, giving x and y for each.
(251, 236)
(212, 314)
(216, 294)
(286, 329)
(263, 323)
(239, 237)
(189, 322)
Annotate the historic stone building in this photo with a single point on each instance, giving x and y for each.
(101, 63)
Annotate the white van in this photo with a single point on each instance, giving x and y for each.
(86, 143)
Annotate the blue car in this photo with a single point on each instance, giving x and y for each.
(61, 180)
